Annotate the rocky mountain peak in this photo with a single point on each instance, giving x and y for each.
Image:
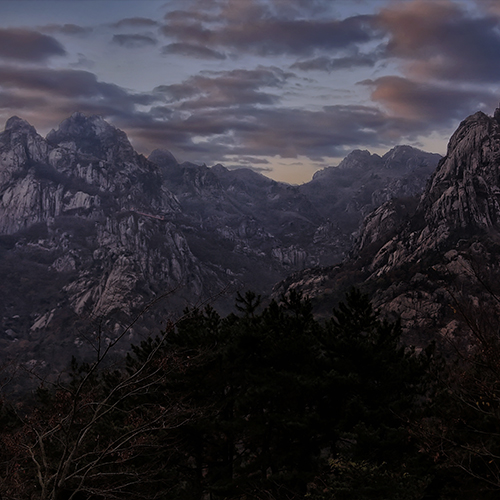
(105, 230)
(359, 159)
(20, 147)
(18, 124)
(91, 135)
(418, 255)
(18, 131)
(407, 158)
(465, 189)
(364, 181)
(462, 198)
(467, 131)
(79, 123)
(496, 114)
(163, 158)
(219, 169)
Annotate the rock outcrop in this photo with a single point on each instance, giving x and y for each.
(430, 259)
(87, 229)
(91, 232)
(361, 183)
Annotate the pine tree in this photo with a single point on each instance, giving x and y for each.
(375, 387)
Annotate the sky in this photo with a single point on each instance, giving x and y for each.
(285, 87)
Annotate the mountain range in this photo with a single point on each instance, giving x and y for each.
(431, 261)
(93, 233)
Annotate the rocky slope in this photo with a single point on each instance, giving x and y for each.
(91, 232)
(255, 216)
(434, 260)
(361, 183)
(86, 234)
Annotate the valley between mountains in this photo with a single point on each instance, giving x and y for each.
(91, 232)
(182, 331)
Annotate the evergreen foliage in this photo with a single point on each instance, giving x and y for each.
(266, 403)
(283, 393)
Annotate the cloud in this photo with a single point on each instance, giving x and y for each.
(441, 40)
(135, 22)
(9, 100)
(69, 83)
(66, 29)
(490, 6)
(250, 26)
(195, 15)
(60, 92)
(250, 160)
(430, 104)
(83, 62)
(134, 41)
(28, 46)
(329, 64)
(226, 128)
(46, 96)
(236, 88)
(297, 8)
(218, 117)
(213, 116)
(190, 50)
(211, 136)
(294, 132)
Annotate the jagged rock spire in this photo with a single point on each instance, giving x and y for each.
(16, 123)
(496, 115)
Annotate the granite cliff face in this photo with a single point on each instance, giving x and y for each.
(86, 232)
(255, 216)
(462, 198)
(427, 257)
(361, 183)
(91, 232)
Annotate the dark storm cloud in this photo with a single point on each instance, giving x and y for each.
(226, 89)
(251, 27)
(135, 22)
(428, 103)
(329, 64)
(67, 29)
(190, 50)
(134, 41)
(28, 46)
(441, 40)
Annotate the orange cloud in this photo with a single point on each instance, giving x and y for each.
(416, 27)
(427, 102)
(440, 40)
